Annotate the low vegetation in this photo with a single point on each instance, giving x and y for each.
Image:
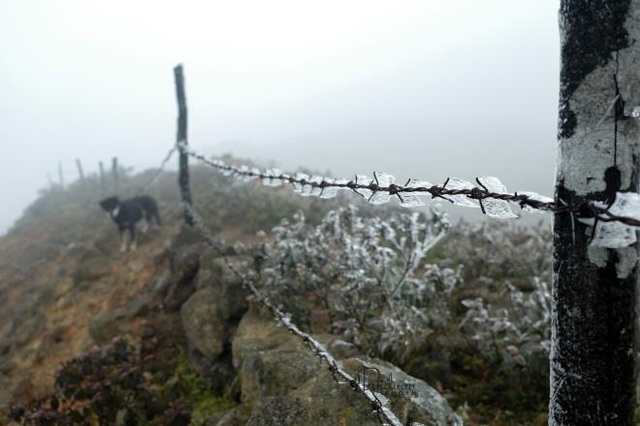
(463, 306)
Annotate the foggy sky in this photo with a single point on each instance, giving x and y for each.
(424, 89)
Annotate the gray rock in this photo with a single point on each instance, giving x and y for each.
(283, 382)
(211, 314)
(184, 268)
(203, 324)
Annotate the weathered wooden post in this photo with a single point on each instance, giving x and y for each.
(593, 354)
(181, 140)
(102, 180)
(114, 171)
(80, 171)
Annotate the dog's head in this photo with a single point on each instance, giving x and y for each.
(110, 204)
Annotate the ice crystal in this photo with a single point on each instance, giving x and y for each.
(365, 181)
(617, 234)
(495, 208)
(414, 199)
(383, 180)
(272, 177)
(461, 200)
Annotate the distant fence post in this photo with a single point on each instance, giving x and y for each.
(181, 140)
(114, 171)
(102, 182)
(80, 171)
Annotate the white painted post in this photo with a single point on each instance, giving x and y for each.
(593, 355)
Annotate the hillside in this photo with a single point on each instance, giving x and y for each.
(66, 293)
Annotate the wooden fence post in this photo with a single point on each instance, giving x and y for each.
(593, 326)
(102, 181)
(114, 171)
(181, 140)
(80, 171)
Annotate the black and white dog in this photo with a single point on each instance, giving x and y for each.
(127, 213)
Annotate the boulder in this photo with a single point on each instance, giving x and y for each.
(184, 268)
(283, 382)
(210, 317)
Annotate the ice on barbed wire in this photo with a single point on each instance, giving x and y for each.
(632, 112)
(246, 174)
(382, 398)
(329, 191)
(498, 209)
(617, 234)
(272, 177)
(306, 190)
(316, 190)
(461, 200)
(414, 199)
(613, 235)
(365, 181)
(298, 178)
(626, 204)
(227, 171)
(536, 197)
(383, 180)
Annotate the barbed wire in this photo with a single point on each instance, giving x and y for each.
(382, 187)
(158, 171)
(385, 414)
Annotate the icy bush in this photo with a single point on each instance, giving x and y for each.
(367, 272)
(507, 299)
(516, 332)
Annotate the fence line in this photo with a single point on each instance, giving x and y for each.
(379, 190)
(489, 194)
(385, 415)
(158, 172)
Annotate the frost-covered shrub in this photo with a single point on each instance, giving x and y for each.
(517, 332)
(367, 272)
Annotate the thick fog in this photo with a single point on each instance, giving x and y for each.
(424, 89)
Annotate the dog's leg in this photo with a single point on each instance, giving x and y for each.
(123, 240)
(145, 226)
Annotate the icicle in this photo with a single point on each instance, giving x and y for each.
(384, 180)
(498, 209)
(461, 200)
(316, 190)
(297, 186)
(363, 180)
(617, 234)
(272, 177)
(329, 191)
(414, 199)
(246, 174)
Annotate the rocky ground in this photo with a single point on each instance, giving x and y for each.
(65, 288)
